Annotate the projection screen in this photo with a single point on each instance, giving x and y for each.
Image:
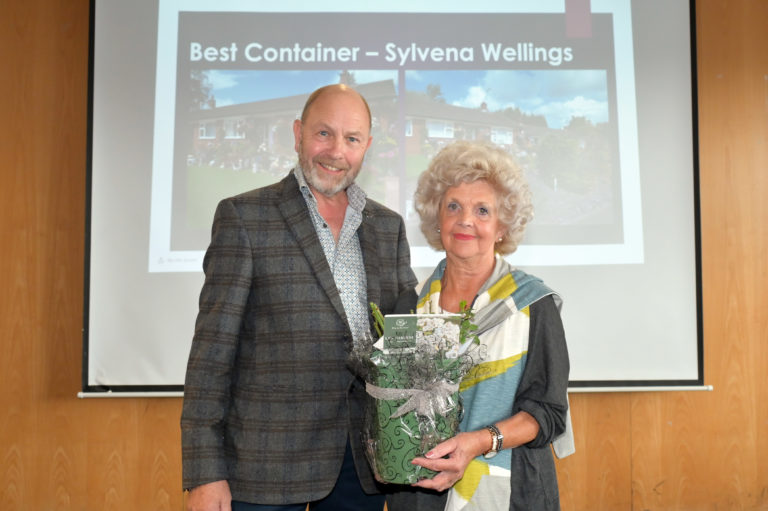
(193, 101)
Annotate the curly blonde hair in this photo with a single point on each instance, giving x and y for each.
(467, 162)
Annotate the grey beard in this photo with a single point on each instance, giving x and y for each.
(316, 184)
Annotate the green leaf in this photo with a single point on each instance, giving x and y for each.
(378, 319)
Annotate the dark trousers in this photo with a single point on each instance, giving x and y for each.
(347, 495)
(405, 498)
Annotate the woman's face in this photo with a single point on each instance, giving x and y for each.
(469, 221)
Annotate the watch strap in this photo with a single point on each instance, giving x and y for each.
(497, 440)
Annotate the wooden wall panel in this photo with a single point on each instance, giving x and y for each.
(599, 474)
(58, 452)
(701, 451)
(733, 94)
(707, 450)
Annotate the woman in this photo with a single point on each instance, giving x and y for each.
(475, 205)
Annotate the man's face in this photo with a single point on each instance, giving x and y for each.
(332, 141)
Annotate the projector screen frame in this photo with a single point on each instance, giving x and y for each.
(585, 385)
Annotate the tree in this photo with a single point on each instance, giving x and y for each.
(200, 90)
(347, 78)
(435, 93)
(579, 122)
(516, 114)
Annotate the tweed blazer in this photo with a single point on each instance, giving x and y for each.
(268, 401)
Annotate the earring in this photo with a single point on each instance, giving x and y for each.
(438, 229)
(500, 239)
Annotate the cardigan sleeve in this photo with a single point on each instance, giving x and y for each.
(544, 384)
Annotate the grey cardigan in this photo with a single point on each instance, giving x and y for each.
(268, 402)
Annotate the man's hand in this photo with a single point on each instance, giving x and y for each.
(210, 497)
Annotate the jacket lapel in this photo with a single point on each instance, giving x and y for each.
(367, 236)
(296, 215)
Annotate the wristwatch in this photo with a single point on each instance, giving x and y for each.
(497, 441)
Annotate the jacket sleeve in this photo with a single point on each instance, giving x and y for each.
(228, 272)
(544, 384)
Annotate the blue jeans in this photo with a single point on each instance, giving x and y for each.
(347, 495)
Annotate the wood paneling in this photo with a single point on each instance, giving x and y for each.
(58, 452)
(646, 451)
(598, 476)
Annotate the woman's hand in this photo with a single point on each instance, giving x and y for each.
(450, 458)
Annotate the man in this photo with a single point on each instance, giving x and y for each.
(271, 415)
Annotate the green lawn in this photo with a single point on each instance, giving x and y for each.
(415, 164)
(206, 186)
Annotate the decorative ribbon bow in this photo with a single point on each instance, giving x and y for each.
(436, 398)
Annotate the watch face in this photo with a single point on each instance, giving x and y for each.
(490, 454)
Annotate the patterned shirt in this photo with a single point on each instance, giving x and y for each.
(345, 257)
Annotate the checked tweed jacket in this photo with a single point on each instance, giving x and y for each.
(268, 400)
